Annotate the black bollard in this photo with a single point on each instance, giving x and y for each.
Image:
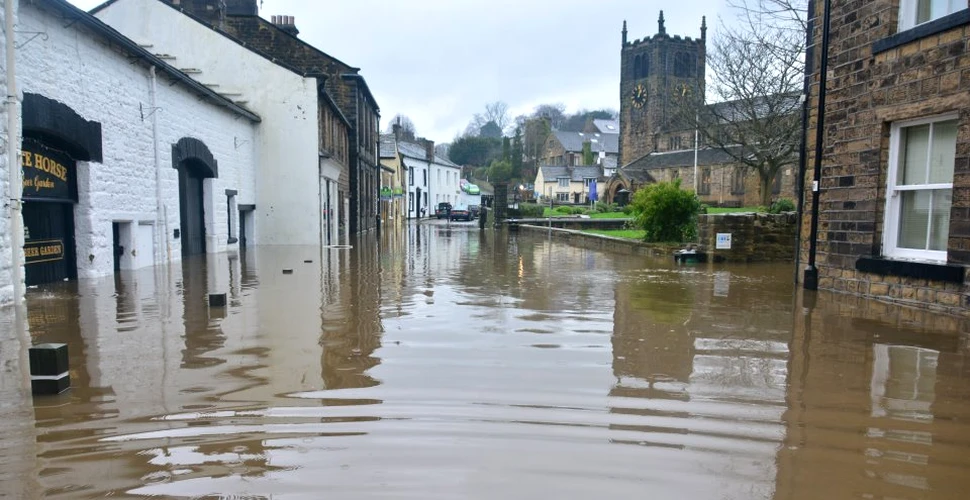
(217, 300)
(308, 261)
(49, 373)
(287, 271)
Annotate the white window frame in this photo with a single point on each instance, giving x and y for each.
(587, 181)
(562, 197)
(908, 10)
(894, 200)
(563, 182)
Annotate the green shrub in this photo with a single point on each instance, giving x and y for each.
(603, 208)
(564, 210)
(577, 211)
(628, 210)
(531, 210)
(666, 212)
(782, 205)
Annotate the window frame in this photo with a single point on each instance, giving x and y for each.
(561, 183)
(891, 216)
(563, 197)
(908, 10)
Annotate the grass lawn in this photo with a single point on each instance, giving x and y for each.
(607, 215)
(717, 210)
(630, 234)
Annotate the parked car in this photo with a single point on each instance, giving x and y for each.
(442, 210)
(461, 213)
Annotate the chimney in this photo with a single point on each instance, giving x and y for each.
(428, 149)
(397, 131)
(286, 23)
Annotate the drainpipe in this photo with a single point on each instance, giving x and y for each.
(13, 161)
(811, 272)
(802, 150)
(161, 221)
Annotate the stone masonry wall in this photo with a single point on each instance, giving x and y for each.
(6, 285)
(76, 67)
(755, 237)
(868, 90)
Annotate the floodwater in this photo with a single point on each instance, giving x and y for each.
(441, 362)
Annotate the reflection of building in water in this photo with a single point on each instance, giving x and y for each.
(875, 410)
(351, 319)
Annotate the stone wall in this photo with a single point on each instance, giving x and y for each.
(606, 243)
(754, 237)
(879, 76)
(6, 285)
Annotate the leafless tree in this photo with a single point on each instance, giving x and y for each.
(756, 81)
(407, 126)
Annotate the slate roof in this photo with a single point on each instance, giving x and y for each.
(743, 109)
(417, 152)
(707, 156)
(573, 141)
(607, 126)
(388, 146)
(575, 174)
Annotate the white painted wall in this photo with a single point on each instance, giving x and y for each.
(77, 68)
(6, 284)
(286, 143)
(421, 168)
(445, 185)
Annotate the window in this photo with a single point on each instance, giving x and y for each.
(675, 143)
(424, 177)
(920, 189)
(737, 181)
(411, 176)
(563, 182)
(564, 197)
(916, 12)
(685, 65)
(587, 181)
(704, 183)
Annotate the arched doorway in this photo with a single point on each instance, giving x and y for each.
(55, 138)
(194, 163)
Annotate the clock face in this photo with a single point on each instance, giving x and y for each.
(684, 90)
(639, 96)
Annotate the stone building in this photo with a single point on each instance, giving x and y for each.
(277, 39)
(569, 184)
(566, 149)
(893, 218)
(393, 181)
(126, 161)
(655, 144)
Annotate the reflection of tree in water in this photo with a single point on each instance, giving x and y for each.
(202, 335)
(352, 326)
(651, 342)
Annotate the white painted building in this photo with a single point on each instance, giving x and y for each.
(431, 179)
(293, 205)
(127, 162)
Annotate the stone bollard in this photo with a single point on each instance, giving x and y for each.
(217, 300)
(49, 373)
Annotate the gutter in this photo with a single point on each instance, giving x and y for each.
(811, 272)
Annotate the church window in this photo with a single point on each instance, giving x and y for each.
(737, 181)
(636, 67)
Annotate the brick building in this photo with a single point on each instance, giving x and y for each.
(278, 39)
(893, 218)
(656, 145)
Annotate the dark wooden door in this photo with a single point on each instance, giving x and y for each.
(49, 243)
(192, 212)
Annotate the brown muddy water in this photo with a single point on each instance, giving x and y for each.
(447, 363)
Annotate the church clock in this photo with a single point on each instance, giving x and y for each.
(639, 96)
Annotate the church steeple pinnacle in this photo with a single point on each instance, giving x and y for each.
(624, 32)
(663, 29)
(703, 27)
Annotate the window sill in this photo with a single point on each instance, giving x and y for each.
(911, 269)
(924, 30)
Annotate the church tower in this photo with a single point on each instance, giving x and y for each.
(652, 70)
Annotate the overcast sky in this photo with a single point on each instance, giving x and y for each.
(440, 61)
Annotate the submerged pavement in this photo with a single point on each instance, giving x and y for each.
(444, 362)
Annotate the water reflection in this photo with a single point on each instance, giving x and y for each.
(443, 361)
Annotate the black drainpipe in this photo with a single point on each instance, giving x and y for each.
(802, 148)
(811, 272)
